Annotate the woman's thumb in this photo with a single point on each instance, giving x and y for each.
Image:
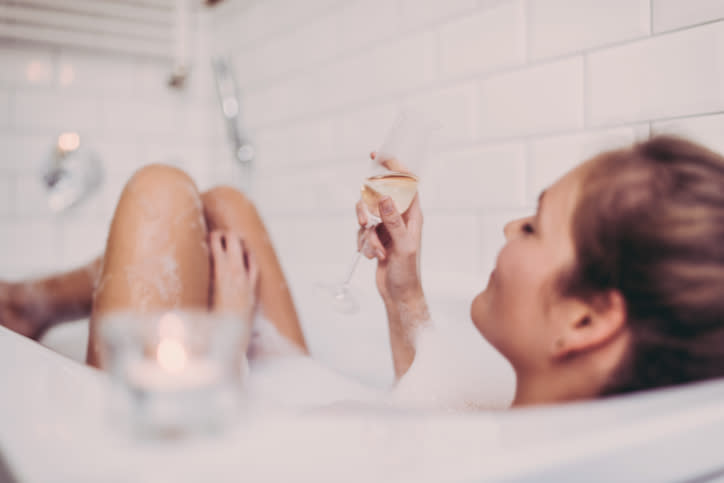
(392, 219)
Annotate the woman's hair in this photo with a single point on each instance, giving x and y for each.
(650, 224)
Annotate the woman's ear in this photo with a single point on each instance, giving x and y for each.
(590, 325)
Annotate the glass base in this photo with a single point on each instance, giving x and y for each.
(179, 414)
(340, 297)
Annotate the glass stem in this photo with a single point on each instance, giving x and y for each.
(353, 267)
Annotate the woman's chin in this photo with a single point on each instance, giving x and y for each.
(477, 311)
(491, 277)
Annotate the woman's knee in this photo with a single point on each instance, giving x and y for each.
(161, 179)
(224, 198)
(158, 185)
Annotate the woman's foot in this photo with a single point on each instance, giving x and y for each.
(20, 313)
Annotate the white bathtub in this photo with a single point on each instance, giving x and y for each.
(357, 345)
(52, 428)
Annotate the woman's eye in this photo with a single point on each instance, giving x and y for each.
(528, 228)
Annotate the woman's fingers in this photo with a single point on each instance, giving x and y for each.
(369, 244)
(375, 247)
(217, 250)
(362, 217)
(364, 242)
(252, 268)
(393, 220)
(235, 273)
(228, 248)
(235, 251)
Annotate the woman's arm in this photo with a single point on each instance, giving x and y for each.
(396, 245)
(405, 317)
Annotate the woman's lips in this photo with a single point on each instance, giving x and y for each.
(491, 277)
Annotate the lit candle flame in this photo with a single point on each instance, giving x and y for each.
(171, 355)
(68, 141)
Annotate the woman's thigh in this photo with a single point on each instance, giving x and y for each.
(156, 255)
(228, 209)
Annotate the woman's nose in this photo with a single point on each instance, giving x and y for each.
(508, 229)
(512, 228)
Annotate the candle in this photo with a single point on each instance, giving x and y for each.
(150, 376)
(172, 370)
(176, 377)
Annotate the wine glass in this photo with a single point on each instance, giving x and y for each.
(392, 173)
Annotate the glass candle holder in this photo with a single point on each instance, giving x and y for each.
(174, 373)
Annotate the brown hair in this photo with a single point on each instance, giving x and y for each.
(650, 223)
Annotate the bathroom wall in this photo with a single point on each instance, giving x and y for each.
(524, 89)
(121, 107)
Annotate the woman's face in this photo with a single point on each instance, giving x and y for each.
(517, 310)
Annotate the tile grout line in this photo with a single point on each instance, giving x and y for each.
(482, 74)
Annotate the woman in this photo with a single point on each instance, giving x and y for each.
(614, 285)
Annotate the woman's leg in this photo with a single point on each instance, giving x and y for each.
(157, 255)
(226, 208)
(31, 307)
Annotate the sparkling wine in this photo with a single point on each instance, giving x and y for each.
(401, 187)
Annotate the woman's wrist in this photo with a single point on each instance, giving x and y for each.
(409, 307)
(408, 295)
(406, 317)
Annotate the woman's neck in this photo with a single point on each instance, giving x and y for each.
(550, 390)
(570, 382)
(580, 377)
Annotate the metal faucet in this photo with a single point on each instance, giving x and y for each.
(227, 91)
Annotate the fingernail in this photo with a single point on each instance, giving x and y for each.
(386, 206)
(379, 254)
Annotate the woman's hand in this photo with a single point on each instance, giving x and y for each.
(235, 274)
(396, 245)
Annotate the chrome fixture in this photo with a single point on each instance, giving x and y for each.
(228, 94)
(182, 34)
(72, 172)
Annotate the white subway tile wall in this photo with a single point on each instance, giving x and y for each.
(707, 130)
(675, 74)
(465, 42)
(523, 89)
(559, 27)
(22, 67)
(458, 105)
(419, 13)
(30, 246)
(476, 179)
(6, 196)
(364, 22)
(539, 100)
(675, 14)
(550, 157)
(4, 108)
(121, 108)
